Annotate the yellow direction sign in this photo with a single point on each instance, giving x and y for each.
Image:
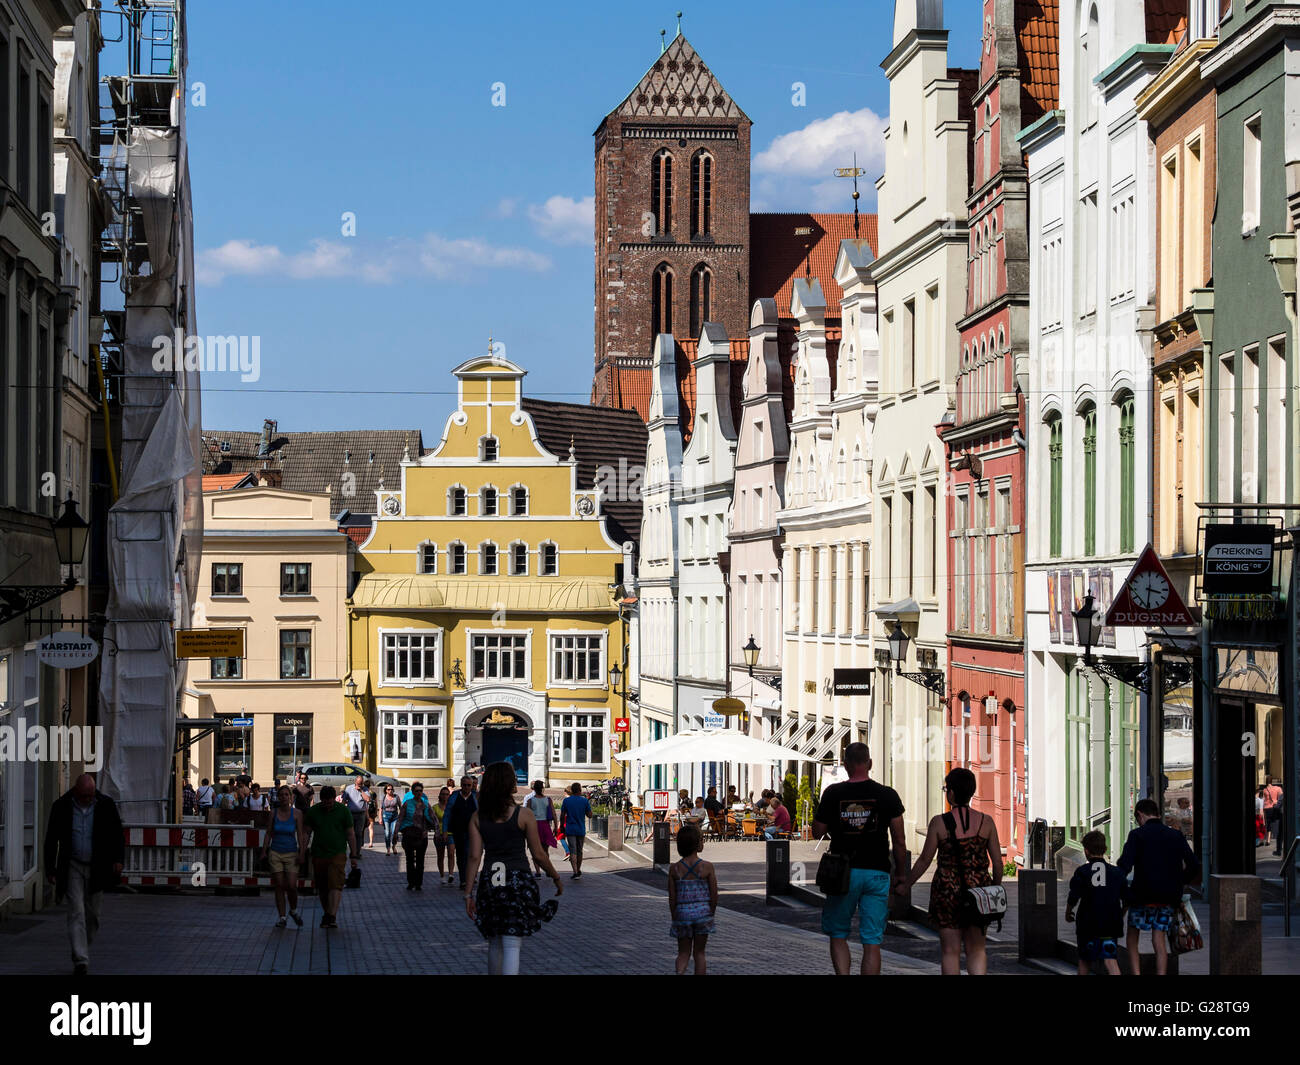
(210, 643)
(728, 707)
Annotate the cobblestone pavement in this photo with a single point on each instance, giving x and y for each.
(607, 923)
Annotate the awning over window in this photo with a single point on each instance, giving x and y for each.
(537, 595)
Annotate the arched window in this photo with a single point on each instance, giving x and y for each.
(456, 559)
(456, 501)
(1127, 471)
(1055, 456)
(518, 560)
(487, 502)
(487, 559)
(661, 192)
(1090, 67)
(661, 300)
(1088, 417)
(701, 298)
(428, 558)
(796, 478)
(550, 563)
(701, 194)
(842, 473)
(859, 469)
(810, 481)
(518, 500)
(488, 449)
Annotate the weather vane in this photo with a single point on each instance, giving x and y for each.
(854, 172)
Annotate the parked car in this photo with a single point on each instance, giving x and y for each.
(340, 774)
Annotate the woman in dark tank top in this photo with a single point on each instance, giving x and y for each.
(505, 903)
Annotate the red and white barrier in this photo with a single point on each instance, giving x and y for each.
(193, 855)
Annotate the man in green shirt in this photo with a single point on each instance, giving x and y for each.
(329, 825)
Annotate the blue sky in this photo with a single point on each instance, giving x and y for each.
(470, 219)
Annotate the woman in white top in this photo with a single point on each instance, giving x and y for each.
(256, 800)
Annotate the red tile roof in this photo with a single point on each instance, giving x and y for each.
(1038, 36)
(1166, 21)
(220, 482)
(777, 257)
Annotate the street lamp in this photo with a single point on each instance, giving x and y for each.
(1085, 627)
(350, 689)
(930, 679)
(615, 675)
(70, 534)
(751, 650)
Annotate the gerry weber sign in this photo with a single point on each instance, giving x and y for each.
(66, 650)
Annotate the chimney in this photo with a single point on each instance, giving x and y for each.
(268, 434)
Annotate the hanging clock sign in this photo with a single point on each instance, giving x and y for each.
(1148, 597)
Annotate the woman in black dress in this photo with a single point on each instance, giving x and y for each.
(507, 906)
(966, 842)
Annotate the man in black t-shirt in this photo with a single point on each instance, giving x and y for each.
(860, 815)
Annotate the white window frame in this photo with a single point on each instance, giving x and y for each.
(482, 498)
(525, 681)
(511, 570)
(451, 566)
(541, 558)
(555, 681)
(451, 508)
(386, 681)
(514, 512)
(430, 547)
(496, 558)
(482, 441)
(1252, 169)
(557, 729)
(439, 713)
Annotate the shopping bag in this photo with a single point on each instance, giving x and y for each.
(1187, 930)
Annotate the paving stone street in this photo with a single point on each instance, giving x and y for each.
(607, 923)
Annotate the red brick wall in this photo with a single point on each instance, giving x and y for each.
(626, 258)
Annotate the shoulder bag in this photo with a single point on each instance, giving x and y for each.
(976, 906)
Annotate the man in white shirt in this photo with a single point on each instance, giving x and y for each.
(356, 796)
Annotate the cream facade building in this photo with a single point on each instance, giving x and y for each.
(276, 566)
(920, 274)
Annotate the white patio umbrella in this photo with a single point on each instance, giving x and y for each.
(711, 745)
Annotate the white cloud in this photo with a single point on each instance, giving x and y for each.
(785, 168)
(430, 256)
(563, 220)
(506, 206)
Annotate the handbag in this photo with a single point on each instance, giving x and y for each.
(976, 906)
(1186, 933)
(354, 878)
(834, 873)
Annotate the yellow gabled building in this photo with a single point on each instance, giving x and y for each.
(486, 617)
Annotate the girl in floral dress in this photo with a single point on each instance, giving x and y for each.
(692, 900)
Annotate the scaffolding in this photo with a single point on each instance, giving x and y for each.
(147, 300)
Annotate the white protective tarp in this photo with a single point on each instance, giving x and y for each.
(155, 527)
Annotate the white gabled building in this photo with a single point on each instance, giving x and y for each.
(1092, 268)
(827, 521)
(920, 274)
(657, 568)
(754, 562)
(708, 474)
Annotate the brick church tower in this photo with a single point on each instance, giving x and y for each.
(672, 219)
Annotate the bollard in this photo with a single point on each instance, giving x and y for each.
(1236, 926)
(615, 841)
(1036, 916)
(663, 843)
(778, 867)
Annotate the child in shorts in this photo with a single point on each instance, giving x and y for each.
(692, 899)
(1100, 891)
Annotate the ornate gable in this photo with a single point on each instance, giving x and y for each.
(679, 86)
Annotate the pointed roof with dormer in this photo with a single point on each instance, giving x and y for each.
(678, 85)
